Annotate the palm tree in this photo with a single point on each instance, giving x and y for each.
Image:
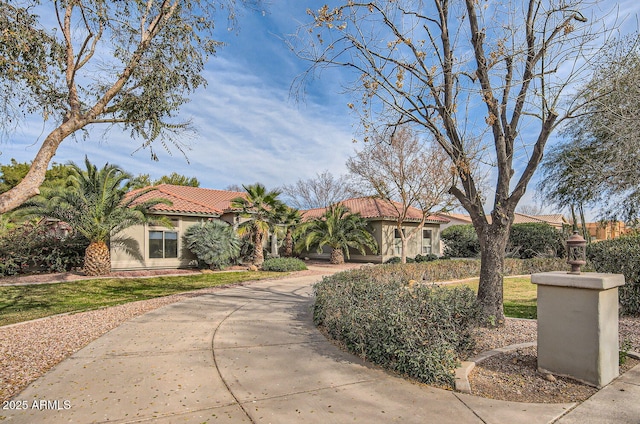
(339, 229)
(285, 220)
(96, 206)
(257, 208)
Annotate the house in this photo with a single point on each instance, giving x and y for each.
(557, 221)
(606, 230)
(383, 217)
(156, 247)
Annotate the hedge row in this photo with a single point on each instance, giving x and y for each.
(620, 256)
(416, 330)
(37, 249)
(283, 265)
(526, 240)
(456, 269)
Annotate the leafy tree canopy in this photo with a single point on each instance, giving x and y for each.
(11, 174)
(597, 163)
(144, 180)
(126, 63)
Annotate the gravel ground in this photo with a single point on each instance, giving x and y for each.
(30, 349)
(513, 376)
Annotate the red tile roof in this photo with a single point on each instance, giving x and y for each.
(555, 220)
(192, 200)
(372, 208)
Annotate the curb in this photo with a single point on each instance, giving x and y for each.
(465, 368)
(462, 384)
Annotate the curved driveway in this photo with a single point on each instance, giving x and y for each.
(246, 354)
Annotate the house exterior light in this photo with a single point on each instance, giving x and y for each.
(576, 252)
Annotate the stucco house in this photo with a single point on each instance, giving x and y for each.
(383, 217)
(156, 247)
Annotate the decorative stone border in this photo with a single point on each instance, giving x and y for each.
(462, 372)
(465, 368)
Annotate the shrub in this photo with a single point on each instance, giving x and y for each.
(417, 330)
(398, 260)
(214, 243)
(620, 256)
(457, 269)
(283, 265)
(530, 240)
(461, 241)
(38, 249)
(426, 258)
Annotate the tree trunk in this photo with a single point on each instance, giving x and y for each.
(288, 245)
(258, 254)
(30, 184)
(97, 259)
(493, 241)
(274, 244)
(337, 256)
(403, 250)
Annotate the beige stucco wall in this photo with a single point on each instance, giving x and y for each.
(138, 234)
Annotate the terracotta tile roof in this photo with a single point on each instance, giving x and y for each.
(555, 220)
(192, 200)
(375, 208)
(457, 217)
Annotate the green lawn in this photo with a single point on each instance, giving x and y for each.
(520, 296)
(23, 303)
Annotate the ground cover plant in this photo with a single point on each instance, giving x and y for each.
(416, 330)
(23, 303)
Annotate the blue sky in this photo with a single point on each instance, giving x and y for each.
(249, 128)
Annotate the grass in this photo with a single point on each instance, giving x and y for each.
(520, 296)
(24, 303)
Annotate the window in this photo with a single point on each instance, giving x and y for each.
(426, 242)
(163, 244)
(398, 241)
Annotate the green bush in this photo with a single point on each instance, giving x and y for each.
(417, 330)
(620, 256)
(283, 265)
(530, 240)
(460, 241)
(398, 260)
(426, 258)
(214, 243)
(38, 249)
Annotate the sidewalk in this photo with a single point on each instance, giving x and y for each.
(252, 355)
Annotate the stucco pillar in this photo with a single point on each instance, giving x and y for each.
(578, 325)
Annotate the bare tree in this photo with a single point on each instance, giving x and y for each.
(406, 173)
(126, 63)
(319, 192)
(486, 79)
(530, 209)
